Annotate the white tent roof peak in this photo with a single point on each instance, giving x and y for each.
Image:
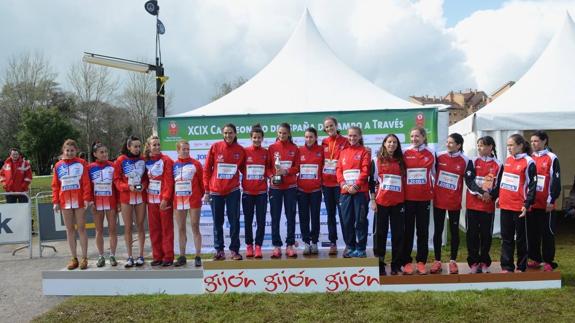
(305, 76)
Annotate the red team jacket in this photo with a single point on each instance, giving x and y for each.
(311, 161)
(104, 194)
(130, 171)
(548, 178)
(332, 147)
(288, 154)
(391, 182)
(71, 184)
(353, 168)
(484, 168)
(518, 183)
(188, 184)
(254, 179)
(451, 170)
(420, 164)
(160, 179)
(15, 176)
(222, 168)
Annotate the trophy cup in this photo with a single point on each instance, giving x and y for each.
(277, 179)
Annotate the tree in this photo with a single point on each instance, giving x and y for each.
(228, 87)
(139, 99)
(41, 135)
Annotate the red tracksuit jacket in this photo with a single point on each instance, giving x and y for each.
(310, 168)
(518, 183)
(420, 164)
(104, 194)
(390, 190)
(254, 179)
(332, 147)
(288, 154)
(484, 167)
(130, 171)
(16, 176)
(160, 178)
(451, 170)
(222, 168)
(71, 183)
(353, 168)
(548, 178)
(189, 184)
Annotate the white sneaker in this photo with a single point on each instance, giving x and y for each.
(314, 249)
(307, 249)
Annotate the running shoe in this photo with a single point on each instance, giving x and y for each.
(101, 261)
(547, 267)
(436, 267)
(453, 267)
(484, 268)
(140, 261)
(348, 253)
(258, 253)
(533, 264)
(129, 263)
(277, 253)
(475, 269)
(180, 261)
(219, 255)
(84, 263)
(236, 255)
(156, 263)
(314, 249)
(359, 254)
(505, 271)
(73, 264)
(421, 268)
(113, 261)
(332, 249)
(167, 263)
(250, 251)
(307, 249)
(394, 272)
(198, 261)
(408, 269)
(290, 252)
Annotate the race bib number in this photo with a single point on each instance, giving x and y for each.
(541, 183)
(447, 180)
(70, 183)
(351, 176)
(510, 182)
(391, 183)
(255, 172)
(285, 164)
(329, 166)
(226, 171)
(103, 189)
(134, 180)
(308, 171)
(154, 187)
(183, 188)
(416, 176)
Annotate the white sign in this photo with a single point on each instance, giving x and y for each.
(14, 223)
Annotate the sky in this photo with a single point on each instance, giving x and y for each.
(407, 47)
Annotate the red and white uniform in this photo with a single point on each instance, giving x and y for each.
(311, 161)
(420, 170)
(16, 176)
(71, 184)
(288, 154)
(130, 171)
(353, 168)
(254, 179)
(485, 167)
(548, 178)
(104, 194)
(221, 171)
(188, 184)
(160, 179)
(391, 188)
(450, 173)
(518, 183)
(332, 147)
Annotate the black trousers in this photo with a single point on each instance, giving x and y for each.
(16, 199)
(416, 217)
(513, 229)
(386, 217)
(479, 227)
(541, 236)
(438, 224)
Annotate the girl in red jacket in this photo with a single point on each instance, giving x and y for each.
(71, 194)
(332, 146)
(389, 176)
(352, 171)
(16, 176)
(105, 201)
(452, 168)
(541, 218)
(131, 182)
(188, 192)
(255, 192)
(309, 190)
(222, 184)
(517, 188)
(480, 203)
(283, 162)
(420, 168)
(159, 169)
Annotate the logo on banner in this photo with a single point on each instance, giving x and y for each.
(173, 128)
(420, 119)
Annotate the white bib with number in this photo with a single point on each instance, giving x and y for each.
(154, 187)
(255, 172)
(103, 189)
(329, 166)
(308, 171)
(510, 182)
(183, 188)
(226, 171)
(70, 183)
(285, 164)
(479, 180)
(416, 176)
(541, 182)
(351, 176)
(447, 180)
(391, 183)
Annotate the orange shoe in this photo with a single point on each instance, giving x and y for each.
(277, 253)
(84, 263)
(250, 251)
(436, 267)
(453, 267)
(421, 268)
(73, 264)
(408, 269)
(290, 252)
(258, 254)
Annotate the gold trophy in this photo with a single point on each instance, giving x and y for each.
(277, 179)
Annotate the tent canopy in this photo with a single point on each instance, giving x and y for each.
(304, 76)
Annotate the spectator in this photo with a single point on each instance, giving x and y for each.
(16, 176)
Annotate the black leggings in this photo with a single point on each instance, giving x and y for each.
(416, 216)
(389, 216)
(513, 228)
(479, 227)
(438, 224)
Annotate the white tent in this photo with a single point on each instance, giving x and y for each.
(304, 76)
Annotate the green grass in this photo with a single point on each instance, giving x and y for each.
(480, 306)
